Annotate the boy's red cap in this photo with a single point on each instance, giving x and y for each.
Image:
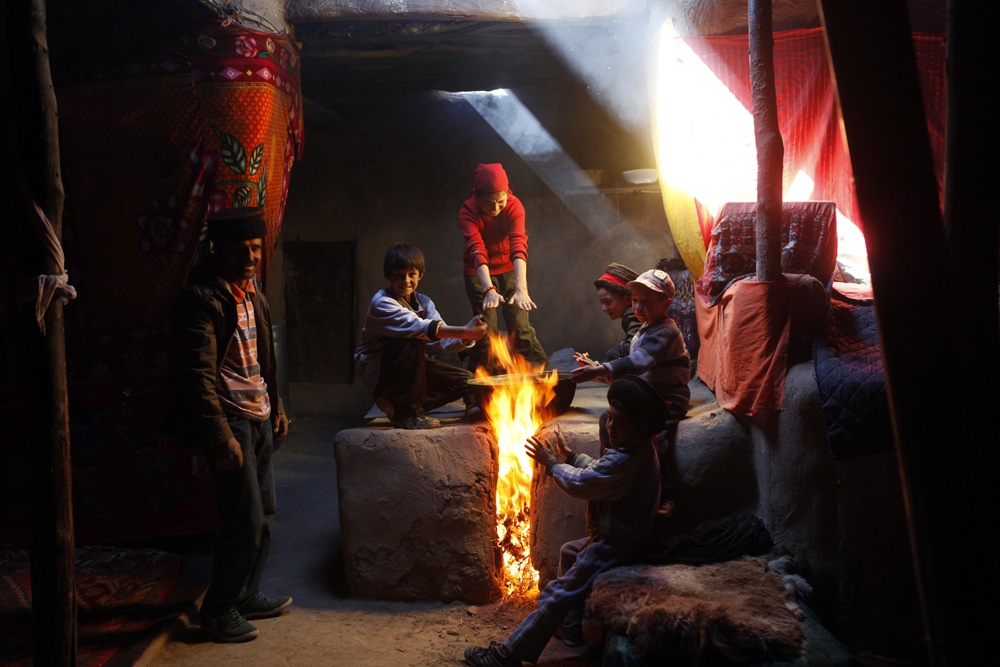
(490, 178)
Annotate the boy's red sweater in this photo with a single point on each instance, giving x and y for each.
(493, 241)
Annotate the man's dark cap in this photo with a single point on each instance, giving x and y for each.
(640, 401)
(236, 224)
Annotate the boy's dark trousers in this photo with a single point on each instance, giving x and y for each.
(580, 561)
(246, 504)
(411, 381)
(515, 321)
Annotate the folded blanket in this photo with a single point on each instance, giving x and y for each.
(851, 380)
(712, 541)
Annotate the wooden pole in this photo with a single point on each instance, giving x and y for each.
(770, 148)
(53, 562)
(944, 466)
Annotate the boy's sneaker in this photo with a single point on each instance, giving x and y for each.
(230, 626)
(261, 606)
(495, 655)
(418, 420)
(571, 634)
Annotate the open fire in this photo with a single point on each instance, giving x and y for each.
(515, 410)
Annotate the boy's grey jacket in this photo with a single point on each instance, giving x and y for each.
(657, 355)
(203, 319)
(390, 318)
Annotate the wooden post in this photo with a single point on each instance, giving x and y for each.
(53, 561)
(971, 207)
(944, 467)
(770, 148)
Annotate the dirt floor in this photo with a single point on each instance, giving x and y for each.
(324, 626)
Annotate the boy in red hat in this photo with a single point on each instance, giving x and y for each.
(616, 301)
(495, 262)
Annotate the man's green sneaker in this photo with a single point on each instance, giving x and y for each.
(261, 606)
(230, 626)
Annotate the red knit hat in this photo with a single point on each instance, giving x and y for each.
(490, 178)
(616, 278)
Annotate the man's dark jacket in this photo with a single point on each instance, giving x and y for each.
(203, 320)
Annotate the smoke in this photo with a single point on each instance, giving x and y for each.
(609, 53)
(606, 44)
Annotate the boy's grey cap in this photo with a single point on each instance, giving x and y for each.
(656, 280)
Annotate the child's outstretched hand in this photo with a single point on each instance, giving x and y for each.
(476, 328)
(585, 373)
(584, 359)
(522, 300)
(539, 450)
(492, 299)
(561, 444)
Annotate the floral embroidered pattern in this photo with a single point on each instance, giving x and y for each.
(164, 227)
(246, 46)
(246, 166)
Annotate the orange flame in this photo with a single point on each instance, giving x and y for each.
(515, 408)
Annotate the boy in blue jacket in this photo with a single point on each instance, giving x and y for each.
(622, 490)
(390, 357)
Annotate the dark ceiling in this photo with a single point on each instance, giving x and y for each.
(359, 66)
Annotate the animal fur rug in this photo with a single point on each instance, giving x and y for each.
(738, 611)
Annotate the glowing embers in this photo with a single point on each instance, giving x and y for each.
(515, 407)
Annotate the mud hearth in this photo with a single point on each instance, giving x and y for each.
(417, 510)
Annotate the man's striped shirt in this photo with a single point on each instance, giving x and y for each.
(241, 389)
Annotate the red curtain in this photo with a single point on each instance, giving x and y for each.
(807, 112)
(214, 122)
(148, 150)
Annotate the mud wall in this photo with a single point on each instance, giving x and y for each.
(401, 176)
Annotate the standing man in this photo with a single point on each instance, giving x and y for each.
(495, 263)
(224, 393)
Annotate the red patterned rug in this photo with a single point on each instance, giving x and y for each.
(120, 593)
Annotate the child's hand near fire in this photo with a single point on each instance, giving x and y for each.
(583, 359)
(476, 328)
(584, 373)
(540, 450)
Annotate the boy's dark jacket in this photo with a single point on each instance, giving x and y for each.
(622, 488)
(203, 319)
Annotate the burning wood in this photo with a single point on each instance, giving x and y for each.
(515, 411)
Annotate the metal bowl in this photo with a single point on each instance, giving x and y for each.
(565, 389)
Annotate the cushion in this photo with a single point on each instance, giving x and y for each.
(808, 244)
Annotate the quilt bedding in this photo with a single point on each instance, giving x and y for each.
(848, 363)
